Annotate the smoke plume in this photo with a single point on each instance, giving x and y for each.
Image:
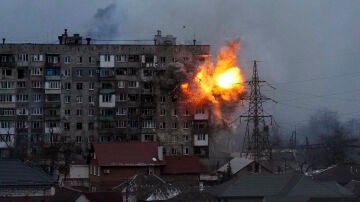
(104, 25)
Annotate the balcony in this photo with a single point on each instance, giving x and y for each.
(7, 141)
(7, 130)
(53, 130)
(201, 140)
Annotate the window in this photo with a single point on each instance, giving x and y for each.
(91, 126)
(67, 112)
(174, 125)
(21, 98)
(162, 59)
(67, 60)
(68, 86)
(36, 111)
(36, 84)
(149, 137)
(5, 124)
(106, 98)
(52, 84)
(79, 126)
(78, 112)
(186, 138)
(37, 98)
(67, 126)
(121, 71)
(79, 99)
(6, 98)
(91, 72)
(80, 59)
(91, 112)
(79, 72)
(21, 84)
(148, 124)
(186, 125)
(132, 97)
(121, 84)
(107, 58)
(91, 60)
(186, 151)
(91, 85)
(38, 57)
(200, 110)
(67, 99)
(7, 112)
(173, 151)
(37, 71)
(174, 112)
(133, 124)
(7, 85)
(187, 112)
(36, 124)
(162, 125)
(91, 99)
(121, 124)
(79, 86)
(23, 57)
(163, 98)
(133, 84)
(201, 137)
(21, 111)
(121, 58)
(21, 73)
(67, 72)
(121, 111)
(21, 124)
(78, 139)
(162, 112)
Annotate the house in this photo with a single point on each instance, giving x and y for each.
(115, 162)
(78, 174)
(341, 173)
(279, 188)
(242, 166)
(67, 194)
(145, 187)
(182, 170)
(18, 179)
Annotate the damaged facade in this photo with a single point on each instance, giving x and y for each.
(79, 93)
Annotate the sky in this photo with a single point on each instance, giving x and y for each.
(308, 50)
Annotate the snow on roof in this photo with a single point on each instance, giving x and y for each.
(236, 164)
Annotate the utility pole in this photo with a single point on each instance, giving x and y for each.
(256, 143)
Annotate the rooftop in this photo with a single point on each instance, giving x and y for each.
(15, 172)
(182, 165)
(127, 154)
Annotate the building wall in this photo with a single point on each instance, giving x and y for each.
(65, 85)
(79, 171)
(112, 176)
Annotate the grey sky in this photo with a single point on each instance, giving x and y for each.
(297, 41)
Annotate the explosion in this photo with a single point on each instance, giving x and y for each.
(219, 84)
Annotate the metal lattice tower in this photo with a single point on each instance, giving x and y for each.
(256, 143)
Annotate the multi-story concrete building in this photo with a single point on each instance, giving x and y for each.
(82, 92)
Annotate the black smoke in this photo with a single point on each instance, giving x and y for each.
(104, 25)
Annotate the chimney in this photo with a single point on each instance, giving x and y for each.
(3, 40)
(160, 153)
(88, 39)
(60, 39)
(65, 32)
(159, 32)
(194, 42)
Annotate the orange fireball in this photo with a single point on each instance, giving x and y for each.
(216, 83)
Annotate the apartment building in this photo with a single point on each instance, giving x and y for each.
(75, 92)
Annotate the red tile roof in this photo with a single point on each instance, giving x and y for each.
(127, 154)
(182, 165)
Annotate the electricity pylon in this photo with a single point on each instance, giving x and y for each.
(256, 143)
